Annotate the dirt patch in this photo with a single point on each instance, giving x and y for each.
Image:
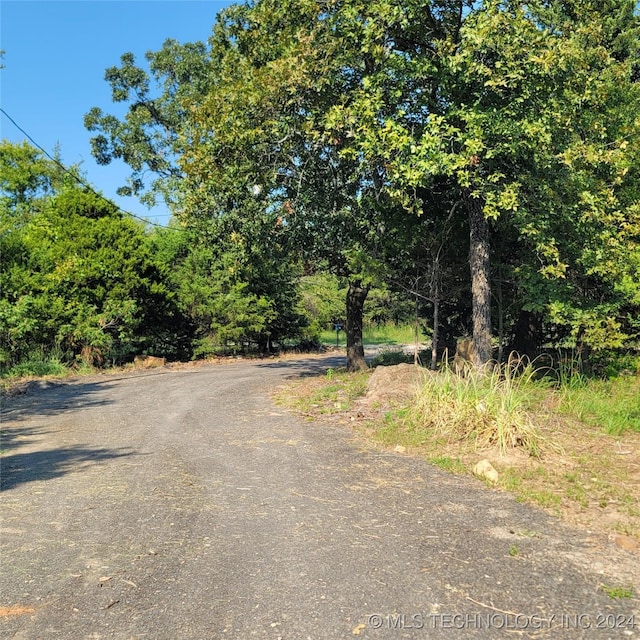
(148, 362)
(390, 385)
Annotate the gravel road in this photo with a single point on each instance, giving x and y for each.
(182, 504)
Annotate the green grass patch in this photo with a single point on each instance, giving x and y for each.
(618, 593)
(611, 405)
(447, 463)
(397, 428)
(384, 334)
(38, 365)
(531, 485)
(334, 392)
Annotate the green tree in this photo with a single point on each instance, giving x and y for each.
(490, 98)
(278, 70)
(238, 287)
(147, 137)
(547, 104)
(322, 302)
(520, 119)
(75, 275)
(244, 286)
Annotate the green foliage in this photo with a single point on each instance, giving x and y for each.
(612, 364)
(386, 307)
(25, 174)
(38, 364)
(361, 139)
(257, 141)
(321, 302)
(530, 112)
(234, 278)
(75, 274)
(611, 405)
(235, 291)
(79, 277)
(147, 137)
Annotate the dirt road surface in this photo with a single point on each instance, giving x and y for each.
(184, 505)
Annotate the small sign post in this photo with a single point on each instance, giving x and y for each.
(337, 327)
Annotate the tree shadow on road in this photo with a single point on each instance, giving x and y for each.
(49, 399)
(30, 466)
(306, 367)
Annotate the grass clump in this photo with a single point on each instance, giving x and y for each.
(38, 364)
(489, 408)
(618, 593)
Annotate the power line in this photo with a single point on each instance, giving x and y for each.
(79, 180)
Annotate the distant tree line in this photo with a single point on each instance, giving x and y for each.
(89, 284)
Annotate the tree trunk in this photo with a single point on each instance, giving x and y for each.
(416, 330)
(436, 334)
(527, 334)
(480, 281)
(500, 299)
(436, 317)
(356, 295)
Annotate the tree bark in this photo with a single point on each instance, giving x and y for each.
(416, 331)
(500, 299)
(436, 316)
(480, 281)
(356, 296)
(436, 334)
(527, 334)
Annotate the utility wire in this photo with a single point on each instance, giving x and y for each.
(79, 180)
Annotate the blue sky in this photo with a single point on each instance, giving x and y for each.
(55, 57)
